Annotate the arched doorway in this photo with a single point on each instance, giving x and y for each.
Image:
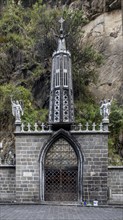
(61, 168)
(61, 172)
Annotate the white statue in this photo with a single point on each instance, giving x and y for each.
(105, 108)
(17, 110)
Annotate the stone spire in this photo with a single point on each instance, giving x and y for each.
(61, 109)
(61, 41)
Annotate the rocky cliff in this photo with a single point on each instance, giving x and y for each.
(91, 8)
(105, 34)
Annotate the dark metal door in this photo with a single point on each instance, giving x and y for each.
(61, 173)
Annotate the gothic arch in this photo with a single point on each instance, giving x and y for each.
(77, 149)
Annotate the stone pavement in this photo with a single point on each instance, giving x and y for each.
(46, 212)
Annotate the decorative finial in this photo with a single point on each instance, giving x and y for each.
(61, 21)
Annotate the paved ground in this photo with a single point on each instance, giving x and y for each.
(43, 212)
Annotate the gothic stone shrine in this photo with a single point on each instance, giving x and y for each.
(61, 162)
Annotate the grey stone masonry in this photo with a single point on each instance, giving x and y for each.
(27, 166)
(26, 183)
(94, 147)
(95, 167)
(115, 183)
(7, 183)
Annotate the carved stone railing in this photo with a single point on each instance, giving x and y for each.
(102, 127)
(46, 128)
(33, 128)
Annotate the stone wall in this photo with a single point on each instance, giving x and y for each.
(27, 166)
(95, 170)
(26, 187)
(115, 183)
(7, 183)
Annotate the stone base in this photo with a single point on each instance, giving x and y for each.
(105, 121)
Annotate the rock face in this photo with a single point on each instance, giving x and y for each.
(92, 6)
(99, 6)
(105, 34)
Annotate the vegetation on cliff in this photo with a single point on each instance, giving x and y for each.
(27, 41)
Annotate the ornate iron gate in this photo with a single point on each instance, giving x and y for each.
(61, 173)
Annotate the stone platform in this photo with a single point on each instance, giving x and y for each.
(43, 212)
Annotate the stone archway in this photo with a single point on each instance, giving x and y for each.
(61, 169)
(61, 173)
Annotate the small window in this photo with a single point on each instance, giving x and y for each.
(65, 78)
(57, 72)
(57, 78)
(57, 62)
(65, 73)
(65, 62)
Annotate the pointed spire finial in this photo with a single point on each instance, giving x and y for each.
(61, 21)
(61, 41)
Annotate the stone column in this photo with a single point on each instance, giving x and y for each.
(105, 123)
(18, 126)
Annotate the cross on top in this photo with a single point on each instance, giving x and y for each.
(61, 21)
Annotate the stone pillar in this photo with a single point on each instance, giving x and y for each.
(95, 168)
(105, 123)
(28, 182)
(18, 126)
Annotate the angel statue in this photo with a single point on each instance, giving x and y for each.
(105, 107)
(17, 110)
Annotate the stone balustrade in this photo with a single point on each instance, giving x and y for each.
(35, 128)
(46, 128)
(87, 127)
